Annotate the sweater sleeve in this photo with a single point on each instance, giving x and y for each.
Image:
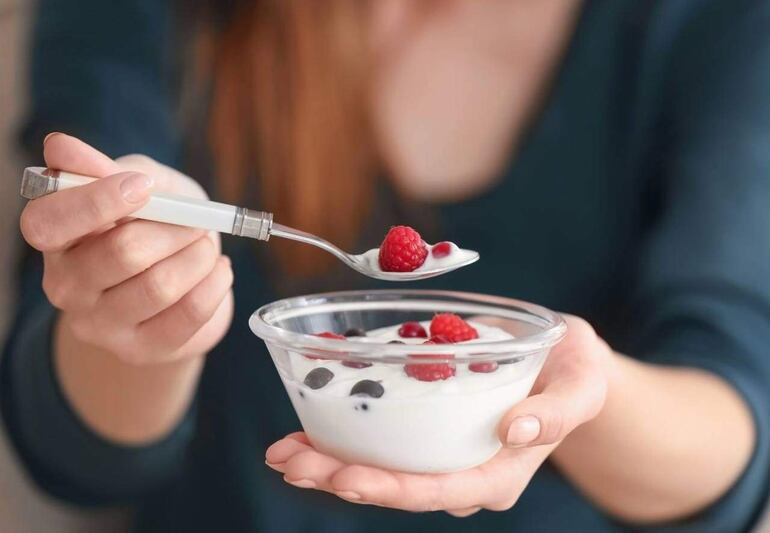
(97, 72)
(703, 293)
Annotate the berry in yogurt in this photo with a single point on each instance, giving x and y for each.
(356, 364)
(430, 371)
(318, 378)
(424, 414)
(441, 249)
(411, 330)
(330, 335)
(368, 387)
(355, 332)
(483, 367)
(325, 335)
(453, 328)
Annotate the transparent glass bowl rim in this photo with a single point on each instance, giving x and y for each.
(553, 328)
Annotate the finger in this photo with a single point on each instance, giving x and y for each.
(124, 252)
(572, 393)
(64, 152)
(173, 327)
(283, 450)
(167, 179)
(462, 513)
(311, 469)
(299, 436)
(418, 492)
(162, 285)
(54, 222)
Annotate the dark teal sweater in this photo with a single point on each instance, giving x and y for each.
(639, 200)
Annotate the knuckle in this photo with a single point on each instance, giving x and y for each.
(128, 349)
(159, 287)
(99, 206)
(137, 162)
(55, 290)
(552, 428)
(81, 328)
(129, 248)
(205, 251)
(580, 328)
(503, 505)
(35, 229)
(197, 307)
(128, 355)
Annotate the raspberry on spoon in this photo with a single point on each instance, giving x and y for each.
(403, 250)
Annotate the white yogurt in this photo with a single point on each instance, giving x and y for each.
(415, 426)
(457, 256)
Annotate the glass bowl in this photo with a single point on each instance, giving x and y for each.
(405, 424)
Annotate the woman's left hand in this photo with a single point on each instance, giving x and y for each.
(569, 392)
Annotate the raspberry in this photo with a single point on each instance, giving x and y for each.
(440, 339)
(428, 371)
(330, 335)
(325, 335)
(403, 250)
(412, 330)
(484, 367)
(441, 249)
(453, 328)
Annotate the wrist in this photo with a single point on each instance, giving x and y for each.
(122, 402)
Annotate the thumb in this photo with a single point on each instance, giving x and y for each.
(548, 417)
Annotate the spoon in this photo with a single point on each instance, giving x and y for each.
(238, 221)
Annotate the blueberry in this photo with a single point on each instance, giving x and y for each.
(367, 387)
(356, 364)
(318, 377)
(396, 342)
(355, 332)
(511, 361)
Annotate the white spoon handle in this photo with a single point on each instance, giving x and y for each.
(162, 207)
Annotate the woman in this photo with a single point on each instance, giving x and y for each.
(605, 157)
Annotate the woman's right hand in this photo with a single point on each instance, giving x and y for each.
(144, 291)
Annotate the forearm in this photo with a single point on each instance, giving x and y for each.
(124, 403)
(668, 442)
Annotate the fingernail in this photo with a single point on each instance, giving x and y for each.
(523, 430)
(135, 188)
(348, 495)
(302, 483)
(275, 466)
(49, 136)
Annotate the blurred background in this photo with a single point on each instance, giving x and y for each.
(23, 507)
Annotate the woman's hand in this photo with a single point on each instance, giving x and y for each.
(569, 391)
(143, 291)
(140, 302)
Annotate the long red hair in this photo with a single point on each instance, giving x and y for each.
(288, 106)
